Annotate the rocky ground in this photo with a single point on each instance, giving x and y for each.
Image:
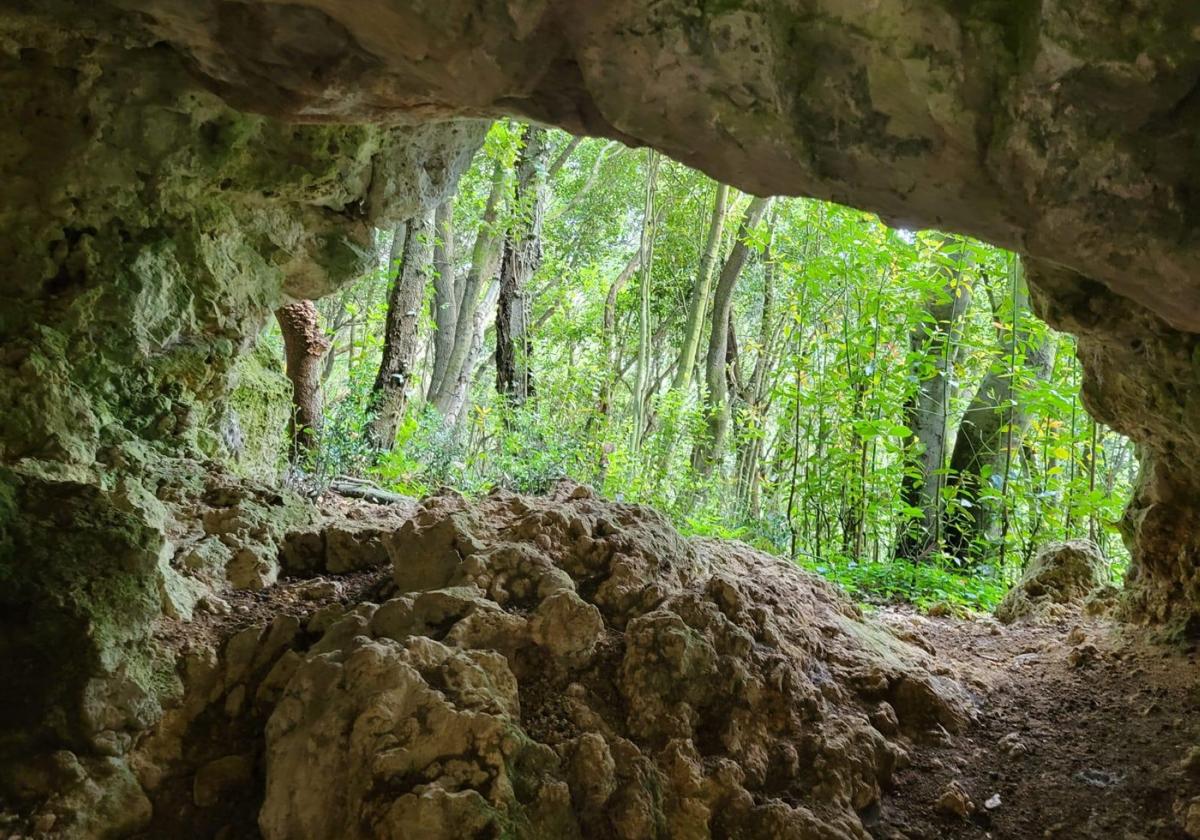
(1086, 729)
(570, 667)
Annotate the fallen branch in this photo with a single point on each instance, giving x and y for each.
(362, 490)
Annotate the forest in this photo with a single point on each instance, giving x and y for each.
(880, 405)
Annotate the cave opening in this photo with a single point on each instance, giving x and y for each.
(195, 648)
(899, 419)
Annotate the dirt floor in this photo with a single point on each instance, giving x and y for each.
(1084, 731)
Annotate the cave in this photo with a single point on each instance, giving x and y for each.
(559, 667)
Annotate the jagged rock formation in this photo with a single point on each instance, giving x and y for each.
(1058, 579)
(558, 667)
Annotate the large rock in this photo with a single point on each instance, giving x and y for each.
(573, 668)
(147, 231)
(1060, 577)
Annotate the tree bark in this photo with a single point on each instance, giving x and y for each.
(984, 429)
(484, 255)
(390, 392)
(646, 259)
(750, 397)
(304, 345)
(522, 256)
(935, 347)
(457, 399)
(698, 305)
(707, 452)
(445, 297)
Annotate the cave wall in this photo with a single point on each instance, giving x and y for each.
(174, 169)
(147, 231)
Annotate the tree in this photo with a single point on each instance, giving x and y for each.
(641, 388)
(935, 346)
(717, 397)
(450, 393)
(698, 304)
(446, 298)
(522, 256)
(304, 347)
(995, 420)
(389, 394)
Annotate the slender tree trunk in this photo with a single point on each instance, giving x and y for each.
(698, 305)
(750, 398)
(935, 347)
(985, 428)
(522, 256)
(390, 392)
(304, 346)
(445, 297)
(484, 257)
(457, 401)
(646, 259)
(609, 328)
(717, 403)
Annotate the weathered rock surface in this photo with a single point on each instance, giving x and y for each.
(573, 668)
(557, 667)
(1059, 577)
(147, 231)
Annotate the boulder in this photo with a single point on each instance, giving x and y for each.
(1058, 579)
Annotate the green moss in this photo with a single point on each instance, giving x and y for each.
(258, 414)
(77, 566)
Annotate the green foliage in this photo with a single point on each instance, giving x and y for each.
(929, 585)
(821, 367)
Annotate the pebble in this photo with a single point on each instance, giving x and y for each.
(955, 802)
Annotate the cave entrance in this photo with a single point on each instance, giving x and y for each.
(881, 405)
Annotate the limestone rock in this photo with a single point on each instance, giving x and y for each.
(84, 798)
(568, 667)
(219, 777)
(1059, 577)
(955, 802)
(1187, 812)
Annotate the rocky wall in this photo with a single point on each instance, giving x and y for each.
(147, 231)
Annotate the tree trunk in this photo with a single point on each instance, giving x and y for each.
(445, 297)
(390, 392)
(646, 259)
(751, 397)
(484, 255)
(708, 451)
(457, 401)
(304, 345)
(698, 305)
(985, 431)
(522, 256)
(935, 346)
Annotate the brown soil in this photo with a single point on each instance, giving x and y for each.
(1105, 716)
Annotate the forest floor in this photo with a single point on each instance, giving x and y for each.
(1083, 732)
